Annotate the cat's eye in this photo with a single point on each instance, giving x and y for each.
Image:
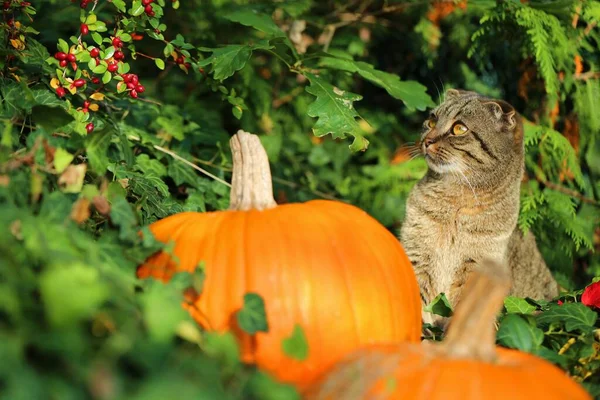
(430, 123)
(459, 129)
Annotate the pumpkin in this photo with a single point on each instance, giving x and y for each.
(324, 265)
(466, 365)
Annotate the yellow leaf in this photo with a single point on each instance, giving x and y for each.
(54, 83)
(17, 25)
(93, 107)
(17, 44)
(97, 96)
(16, 77)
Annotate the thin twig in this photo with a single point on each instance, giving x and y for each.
(587, 75)
(568, 192)
(288, 97)
(197, 168)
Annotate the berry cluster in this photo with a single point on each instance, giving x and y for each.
(133, 85)
(148, 7)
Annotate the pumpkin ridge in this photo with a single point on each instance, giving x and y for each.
(203, 303)
(386, 276)
(349, 295)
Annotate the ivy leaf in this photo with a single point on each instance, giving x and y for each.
(51, 118)
(296, 346)
(182, 173)
(440, 306)
(122, 215)
(517, 305)
(335, 112)
(256, 20)
(412, 93)
(574, 316)
(226, 60)
(516, 333)
(252, 318)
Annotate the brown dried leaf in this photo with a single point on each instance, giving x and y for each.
(71, 180)
(101, 205)
(80, 211)
(4, 180)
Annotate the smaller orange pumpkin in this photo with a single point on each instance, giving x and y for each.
(466, 365)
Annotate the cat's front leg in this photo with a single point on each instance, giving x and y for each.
(459, 280)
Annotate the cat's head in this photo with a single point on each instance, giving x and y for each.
(470, 134)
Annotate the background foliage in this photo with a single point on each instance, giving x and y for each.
(336, 89)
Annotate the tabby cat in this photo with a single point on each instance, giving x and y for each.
(465, 209)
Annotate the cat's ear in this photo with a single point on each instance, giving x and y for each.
(502, 111)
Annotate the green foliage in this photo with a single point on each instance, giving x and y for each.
(252, 318)
(74, 320)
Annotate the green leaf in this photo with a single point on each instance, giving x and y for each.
(296, 346)
(106, 77)
(62, 159)
(162, 310)
(256, 20)
(51, 118)
(123, 216)
(159, 63)
(252, 318)
(137, 8)
(335, 112)
(182, 173)
(516, 333)
(517, 305)
(97, 144)
(71, 292)
(226, 60)
(96, 37)
(440, 306)
(574, 316)
(412, 93)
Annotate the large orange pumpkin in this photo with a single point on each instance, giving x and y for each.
(325, 265)
(465, 366)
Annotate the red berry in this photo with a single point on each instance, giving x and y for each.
(84, 29)
(94, 52)
(6, 5)
(71, 57)
(74, 66)
(146, 2)
(86, 104)
(11, 22)
(130, 85)
(63, 63)
(60, 91)
(133, 94)
(78, 83)
(95, 80)
(84, 3)
(187, 65)
(134, 79)
(117, 42)
(119, 55)
(60, 56)
(180, 60)
(89, 127)
(140, 89)
(148, 9)
(113, 67)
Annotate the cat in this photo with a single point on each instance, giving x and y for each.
(466, 207)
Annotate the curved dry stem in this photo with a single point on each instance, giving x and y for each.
(251, 184)
(471, 333)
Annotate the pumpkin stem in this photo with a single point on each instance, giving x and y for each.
(472, 332)
(251, 185)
